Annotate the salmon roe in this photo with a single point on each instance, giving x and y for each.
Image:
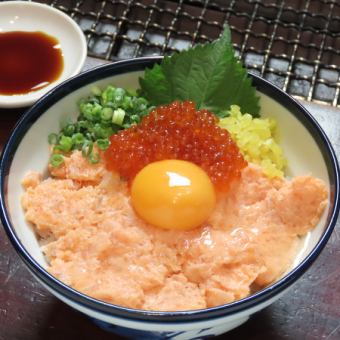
(177, 131)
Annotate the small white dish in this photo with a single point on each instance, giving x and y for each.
(34, 17)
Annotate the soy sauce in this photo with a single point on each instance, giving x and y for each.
(29, 61)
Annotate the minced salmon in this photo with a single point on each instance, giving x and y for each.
(95, 243)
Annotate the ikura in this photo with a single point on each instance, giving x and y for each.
(177, 131)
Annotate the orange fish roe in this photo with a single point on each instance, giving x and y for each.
(177, 131)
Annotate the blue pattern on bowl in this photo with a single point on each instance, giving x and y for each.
(130, 333)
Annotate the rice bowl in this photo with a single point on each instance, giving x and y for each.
(50, 111)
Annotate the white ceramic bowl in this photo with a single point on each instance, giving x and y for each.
(32, 17)
(305, 145)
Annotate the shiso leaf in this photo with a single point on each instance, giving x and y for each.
(208, 74)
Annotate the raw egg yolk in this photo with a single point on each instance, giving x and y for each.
(173, 194)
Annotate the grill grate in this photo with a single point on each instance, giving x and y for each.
(293, 43)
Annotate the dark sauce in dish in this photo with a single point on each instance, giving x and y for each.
(29, 61)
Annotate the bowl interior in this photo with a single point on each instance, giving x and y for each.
(301, 149)
(32, 17)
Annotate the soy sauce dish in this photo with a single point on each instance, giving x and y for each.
(304, 144)
(40, 47)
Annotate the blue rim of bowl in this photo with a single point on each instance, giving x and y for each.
(101, 307)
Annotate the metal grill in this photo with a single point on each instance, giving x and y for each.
(293, 43)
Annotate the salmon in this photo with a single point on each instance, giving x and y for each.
(95, 243)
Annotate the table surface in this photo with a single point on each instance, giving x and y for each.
(310, 310)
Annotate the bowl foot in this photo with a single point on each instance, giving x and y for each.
(195, 334)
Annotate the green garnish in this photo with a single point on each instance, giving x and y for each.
(56, 160)
(209, 75)
(103, 144)
(52, 138)
(106, 114)
(96, 90)
(65, 144)
(102, 114)
(78, 140)
(69, 130)
(94, 158)
(118, 117)
(87, 149)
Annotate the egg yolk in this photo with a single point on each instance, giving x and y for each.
(173, 194)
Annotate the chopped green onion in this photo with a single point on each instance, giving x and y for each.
(118, 116)
(103, 144)
(102, 114)
(127, 103)
(106, 113)
(65, 121)
(127, 125)
(93, 158)
(135, 119)
(87, 148)
(119, 93)
(52, 138)
(69, 130)
(96, 91)
(78, 140)
(107, 95)
(56, 160)
(91, 111)
(82, 125)
(65, 144)
(99, 131)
